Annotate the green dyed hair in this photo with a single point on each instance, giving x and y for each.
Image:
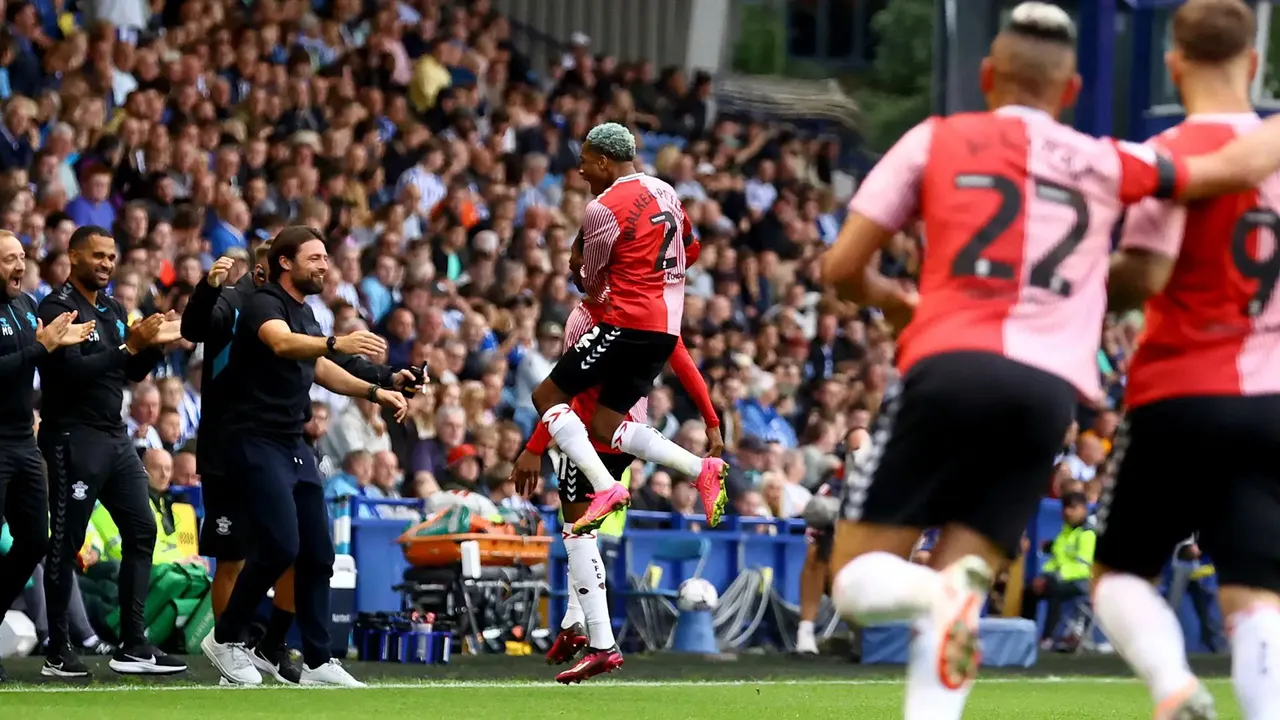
(613, 141)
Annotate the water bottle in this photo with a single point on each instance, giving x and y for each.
(420, 629)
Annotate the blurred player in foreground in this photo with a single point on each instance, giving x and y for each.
(1206, 375)
(1018, 212)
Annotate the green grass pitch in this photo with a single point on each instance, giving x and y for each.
(751, 686)
(1002, 698)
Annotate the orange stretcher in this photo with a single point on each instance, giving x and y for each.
(496, 549)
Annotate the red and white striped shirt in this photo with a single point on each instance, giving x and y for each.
(1018, 211)
(1215, 328)
(634, 254)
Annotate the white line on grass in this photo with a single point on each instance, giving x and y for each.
(517, 685)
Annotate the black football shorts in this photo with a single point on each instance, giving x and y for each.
(1204, 465)
(621, 362)
(967, 438)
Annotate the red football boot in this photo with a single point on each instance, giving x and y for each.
(595, 662)
(568, 644)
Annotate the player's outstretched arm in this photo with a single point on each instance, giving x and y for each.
(275, 334)
(887, 200)
(380, 375)
(336, 380)
(692, 381)
(1240, 165)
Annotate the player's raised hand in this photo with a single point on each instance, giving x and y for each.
(715, 442)
(391, 399)
(218, 273)
(143, 333)
(526, 473)
(361, 342)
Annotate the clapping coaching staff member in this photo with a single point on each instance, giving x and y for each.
(24, 341)
(90, 456)
(277, 354)
(211, 317)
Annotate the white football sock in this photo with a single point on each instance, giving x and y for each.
(806, 637)
(926, 697)
(881, 587)
(586, 573)
(1255, 661)
(648, 444)
(571, 437)
(572, 614)
(1144, 630)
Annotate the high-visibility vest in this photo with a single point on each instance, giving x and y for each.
(617, 522)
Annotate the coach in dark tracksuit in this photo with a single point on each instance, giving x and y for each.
(24, 342)
(90, 455)
(211, 317)
(276, 356)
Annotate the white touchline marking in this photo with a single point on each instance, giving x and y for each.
(516, 685)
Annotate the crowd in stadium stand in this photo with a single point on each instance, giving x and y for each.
(441, 164)
(442, 167)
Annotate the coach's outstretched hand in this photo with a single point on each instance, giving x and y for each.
(525, 473)
(218, 273)
(61, 332)
(361, 342)
(392, 399)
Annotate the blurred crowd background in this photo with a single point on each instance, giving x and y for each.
(440, 161)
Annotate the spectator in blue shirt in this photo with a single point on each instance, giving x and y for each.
(93, 206)
(376, 288)
(762, 419)
(228, 229)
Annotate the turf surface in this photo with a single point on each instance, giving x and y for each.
(648, 688)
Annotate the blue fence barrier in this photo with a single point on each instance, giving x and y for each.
(738, 544)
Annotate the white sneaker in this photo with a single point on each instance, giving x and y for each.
(966, 584)
(330, 673)
(232, 660)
